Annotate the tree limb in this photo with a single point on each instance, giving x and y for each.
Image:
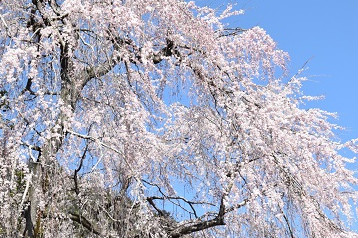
(84, 222)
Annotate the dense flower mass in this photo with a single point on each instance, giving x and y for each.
(142, 118)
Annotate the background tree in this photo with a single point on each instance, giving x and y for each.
(154, 119)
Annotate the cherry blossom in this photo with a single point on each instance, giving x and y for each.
(155, 119)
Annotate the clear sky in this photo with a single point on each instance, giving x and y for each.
(325, 32)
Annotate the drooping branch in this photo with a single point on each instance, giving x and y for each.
(75, 176)
(197, 225)
(171, 198)
(151, 202)
(296, 186)
(102, 69)
(84, 222)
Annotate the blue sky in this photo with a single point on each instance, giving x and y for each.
(325, 32)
